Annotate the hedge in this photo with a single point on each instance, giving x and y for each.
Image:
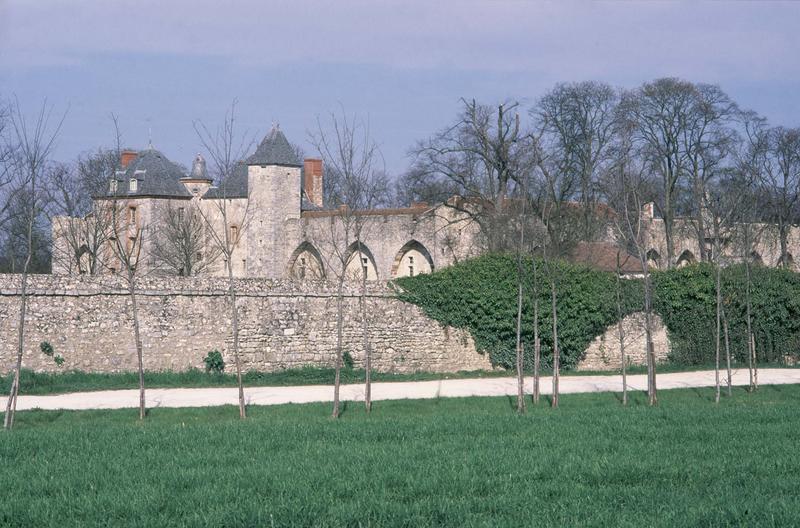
(480, 295)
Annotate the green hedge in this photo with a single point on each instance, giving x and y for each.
(481, 295)
(685, 299)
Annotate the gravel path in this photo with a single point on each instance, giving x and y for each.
(203, 397)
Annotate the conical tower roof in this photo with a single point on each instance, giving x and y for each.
(275, 149)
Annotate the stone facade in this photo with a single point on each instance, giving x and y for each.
(283, 324)
(603, 353)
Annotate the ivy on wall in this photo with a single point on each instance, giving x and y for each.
(481, 295)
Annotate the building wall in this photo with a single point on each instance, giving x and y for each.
(282, 324)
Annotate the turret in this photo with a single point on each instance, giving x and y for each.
(273, 182)
(197, 181)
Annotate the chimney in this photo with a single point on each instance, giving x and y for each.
(312, 180)
(126, 157)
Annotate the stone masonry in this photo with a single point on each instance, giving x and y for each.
(603, 353)
(283, 324)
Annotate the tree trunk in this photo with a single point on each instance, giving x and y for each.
(727, 351)
(652, 392)
(556, 354)
(365, 335)
(235, 329)
(338, 362)
(520, 376)
(367, 351)
(138, 341)
(537, 348)
(718, 329)
(520, 358)
(11, 406)
(621, 332)
(751, 348)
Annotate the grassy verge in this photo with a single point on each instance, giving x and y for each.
(450, 462)
(76, 381)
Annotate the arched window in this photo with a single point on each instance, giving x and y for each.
(686, 259)
(412, 259)
(360, 262)
(306, 263)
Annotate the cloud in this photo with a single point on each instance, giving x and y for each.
(713, 41)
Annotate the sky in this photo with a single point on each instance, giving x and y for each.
(402, 66)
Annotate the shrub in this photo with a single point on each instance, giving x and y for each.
(46, 348)
(347, 360)
(214, 362)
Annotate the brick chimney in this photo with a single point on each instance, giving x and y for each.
(126, 157)
(312, 180)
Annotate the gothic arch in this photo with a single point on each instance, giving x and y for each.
(654, 259)
(306, 263)
(686, 259)
(356, 263)
(412, 259)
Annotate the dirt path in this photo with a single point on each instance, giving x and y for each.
(203, 397)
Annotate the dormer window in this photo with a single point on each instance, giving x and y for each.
(112, 186)
(134, 185)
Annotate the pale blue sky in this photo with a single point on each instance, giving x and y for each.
(404, 64)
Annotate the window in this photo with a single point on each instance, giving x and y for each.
(180, 213)
(410, 266)
(302, 267)
(199, 256)
(132, 215)
(112, 187)
(364, 265)
(234, 234)
(134, 186)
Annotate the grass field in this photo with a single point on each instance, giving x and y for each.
(453, 462)
(76, 381)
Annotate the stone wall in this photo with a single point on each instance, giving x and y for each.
(603, 353)
(282, 324)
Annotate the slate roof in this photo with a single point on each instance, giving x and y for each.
(235, 186)
(274, 150)
(156, 175)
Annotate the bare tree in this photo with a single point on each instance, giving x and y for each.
(182, 245)
(706, 139)
(478, 157)
(749, 231)
(225, 222)
(575, 129)
(780, 173)
(358, 183)
(32, 145)
(627, 190)
(658, 112)
(724, 197)
(81, 225)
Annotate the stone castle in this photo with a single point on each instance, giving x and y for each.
(279, 227)
(276, 219)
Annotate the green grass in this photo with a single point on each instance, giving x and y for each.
(449, 462)
(77, 381)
